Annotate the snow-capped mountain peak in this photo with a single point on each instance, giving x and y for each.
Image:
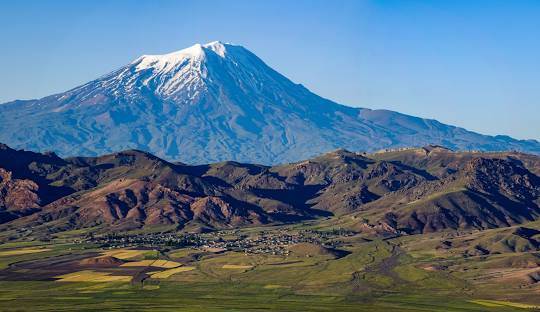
(196, 52)
(213, 102)
(170, 60)
(180, 75)
(184, 75)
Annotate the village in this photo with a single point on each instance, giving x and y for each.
(264, 242)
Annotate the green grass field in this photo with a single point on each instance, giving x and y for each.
(167, 296)
(401, 274)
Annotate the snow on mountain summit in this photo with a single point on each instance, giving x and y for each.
(180, 76)
(183, 75)
(170, 60)
(218, 47)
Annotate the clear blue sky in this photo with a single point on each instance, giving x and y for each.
(474, 64)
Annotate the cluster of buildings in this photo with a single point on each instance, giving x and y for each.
(275, 242)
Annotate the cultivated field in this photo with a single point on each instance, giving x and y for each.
(408, 273)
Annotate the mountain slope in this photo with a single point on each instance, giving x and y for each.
(133, 190)
(483, 193)
(217, 102)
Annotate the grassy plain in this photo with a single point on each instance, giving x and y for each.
(408, 273)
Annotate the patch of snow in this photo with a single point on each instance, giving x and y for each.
(218, 47)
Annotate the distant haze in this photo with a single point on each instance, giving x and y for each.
(470, 64)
